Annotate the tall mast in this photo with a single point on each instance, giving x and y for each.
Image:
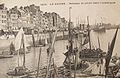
(39, 63)
(88, 26)
(110, 52)
(23, 42)
(18, 57)
(98, 42)
(51, 51)
(70, 40)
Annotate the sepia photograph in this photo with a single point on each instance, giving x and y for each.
(59, 39)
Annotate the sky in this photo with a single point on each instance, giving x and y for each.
(100, 12)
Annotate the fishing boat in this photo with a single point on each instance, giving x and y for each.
(8, 54)
(91, 54)
(72, 61)
(99, 28)
(5, 56)
(11, 52)
(107, 68)
(19, 43)
(86, 55)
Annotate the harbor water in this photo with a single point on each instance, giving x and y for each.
(60, 48)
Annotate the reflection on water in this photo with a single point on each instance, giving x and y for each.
(32, 57)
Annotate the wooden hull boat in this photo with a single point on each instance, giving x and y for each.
(5, 56)
(18, 71)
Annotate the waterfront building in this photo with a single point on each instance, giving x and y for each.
(50, 20)
(30, 17)
(3, 17)
(14, 15)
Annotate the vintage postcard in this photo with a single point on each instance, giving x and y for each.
(59, 39)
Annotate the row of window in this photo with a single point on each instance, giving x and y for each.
(3, 16)
(3, 11)
(14, 15)
(3, 21)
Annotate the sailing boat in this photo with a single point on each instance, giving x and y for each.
(8, 54)
(99, 28)
(107, 69)
(90, 54)
(70, 59)
(20, 43)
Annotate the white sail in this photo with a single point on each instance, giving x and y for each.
(25, 42)
(18, 39)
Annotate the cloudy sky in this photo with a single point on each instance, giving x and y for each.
(108, 13)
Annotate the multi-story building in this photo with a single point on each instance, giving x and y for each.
(44, 22)
(50, 19)
(31, 16)
(54, 20)
(14, 15)
(25, 19)
(3, 17)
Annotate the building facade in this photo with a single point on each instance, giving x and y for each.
(3, 17)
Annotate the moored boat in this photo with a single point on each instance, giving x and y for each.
(19, 43)
(18, 71)
(5, 56)
(100, 28)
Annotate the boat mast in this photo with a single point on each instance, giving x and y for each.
(70, 39)
(51, 47)
(51, 50)
(23, 42)
(99, 42)
(109, 54)
(88, 26)
(18, 57)
(39, 63)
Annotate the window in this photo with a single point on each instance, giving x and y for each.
(2, 11)
(4, 21)
(3, 16)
